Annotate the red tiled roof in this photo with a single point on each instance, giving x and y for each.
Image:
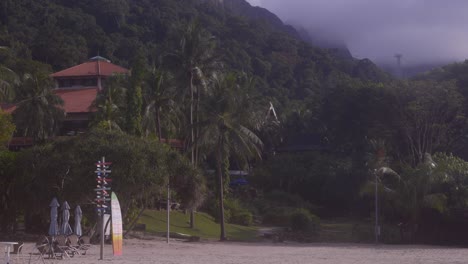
(9, 108)
(77, 100)
(20, 142)
(92, 68)
(175, 143)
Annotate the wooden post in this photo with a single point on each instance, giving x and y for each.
(103, 231)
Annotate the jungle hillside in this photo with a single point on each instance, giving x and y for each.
(321, 136)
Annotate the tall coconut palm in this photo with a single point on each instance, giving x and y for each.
(159, 94)
(193, 60)
(110, 104)
(420, 190)
(411, 191)
(8, 80)
(39, 110)
(226, 129)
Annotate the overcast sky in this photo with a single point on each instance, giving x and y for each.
(424, 31)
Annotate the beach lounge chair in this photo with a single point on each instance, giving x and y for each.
(28, 253)
(17, 250)
(44, 247)
(74, 244)
(84, 243)
(62, 248)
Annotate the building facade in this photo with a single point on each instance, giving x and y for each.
(78, 87)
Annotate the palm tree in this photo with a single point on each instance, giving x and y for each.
(193, 60)
(110, 104)
(377, 161)
(39, 111)
(228, 109)
(410, 192)
(8, 80)
(420, 189)
(158, 94)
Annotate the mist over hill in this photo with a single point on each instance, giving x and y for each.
(426, 33)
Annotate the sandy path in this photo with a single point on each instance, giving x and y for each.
(143, 251)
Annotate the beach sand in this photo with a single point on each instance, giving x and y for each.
(178, 252)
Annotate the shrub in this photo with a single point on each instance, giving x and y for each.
(363, 233)
(243, 217)
(299, 219)
(281, 198)
(237, 213)
(302, 220)
(391, 234)
(141, 169)
(234, 212)
(278, 216)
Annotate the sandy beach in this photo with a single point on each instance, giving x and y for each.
(178, 252)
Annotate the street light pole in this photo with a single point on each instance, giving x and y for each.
(168, 208)
(377, 228)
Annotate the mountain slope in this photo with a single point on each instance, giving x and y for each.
(250, 39)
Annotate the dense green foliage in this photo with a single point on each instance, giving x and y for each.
(303, 221)
(141, 170)
(70, 32)
(6, 123)
(7, 187)
(206, 73)
(39, 109)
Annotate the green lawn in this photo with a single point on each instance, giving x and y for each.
(205, 227)
(345, 230)
(331, 230)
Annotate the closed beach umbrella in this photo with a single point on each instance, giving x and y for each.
(53, 227)
(66, 228)
(78, 215)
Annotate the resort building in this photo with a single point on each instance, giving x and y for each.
(78, 87)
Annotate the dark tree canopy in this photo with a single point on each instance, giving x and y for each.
(141, 170)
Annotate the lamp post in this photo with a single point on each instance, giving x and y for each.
(168, 208)
(377, 227)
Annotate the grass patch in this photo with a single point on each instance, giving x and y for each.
(205, 226)
(345, 230)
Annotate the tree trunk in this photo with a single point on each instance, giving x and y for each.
(192, 220)
(219, 169)
(158, 124)
(192, 136)
(197, 132)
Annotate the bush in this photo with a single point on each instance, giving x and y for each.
(302, 220)
(237, 213)
(140, 171)
(243, 217)
(278, 216)
(363, 233)
(299, 219)
(284, 199)
(234, 212)
(391, 234)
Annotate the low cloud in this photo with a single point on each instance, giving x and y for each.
(424, 31)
